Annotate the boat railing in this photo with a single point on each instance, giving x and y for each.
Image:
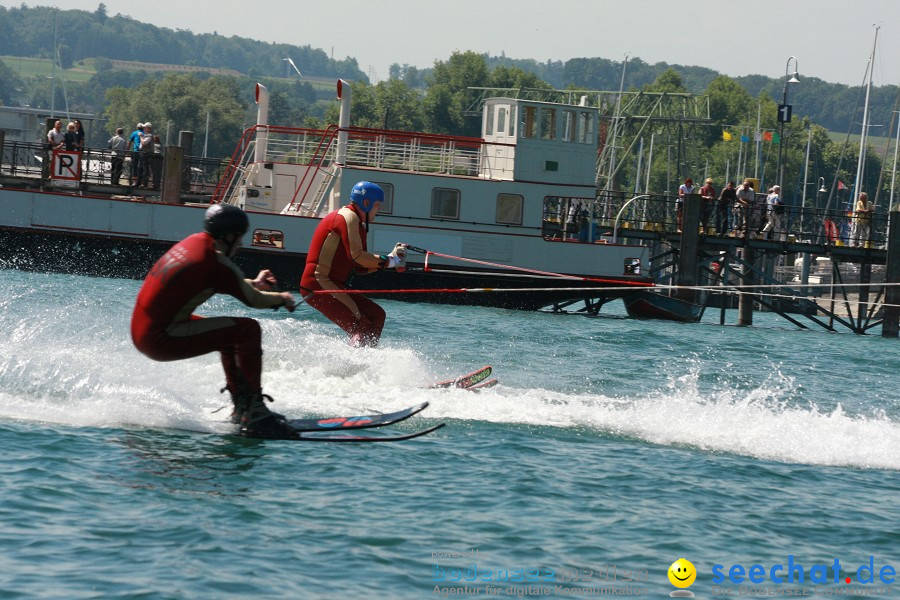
(315, 152)
(414, 152)
(366, 147)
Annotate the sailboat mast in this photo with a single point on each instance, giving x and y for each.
(860, 165)
(53, 69)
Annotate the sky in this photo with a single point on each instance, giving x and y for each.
(830, 39)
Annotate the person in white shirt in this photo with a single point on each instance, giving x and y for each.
(774, 216)
(686, 189)
(56, 136)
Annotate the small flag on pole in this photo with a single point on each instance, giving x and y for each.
(757, 137)
(744, 138)
(767, 136)
(841, 185)
(725, 135)
(776, 138)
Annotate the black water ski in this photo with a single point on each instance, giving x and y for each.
(367, 438)
(360, 422)
(467, 380)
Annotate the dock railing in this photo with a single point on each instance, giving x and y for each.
(659, 213)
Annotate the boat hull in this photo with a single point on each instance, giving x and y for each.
(649, 305)
(131, 258)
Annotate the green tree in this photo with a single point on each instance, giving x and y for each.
(729, 102)
(399, 106)
(669, 81)
(514, 77)
(183, 102)
(11, 86)
(448, 96)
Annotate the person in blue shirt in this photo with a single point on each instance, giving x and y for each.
(134, 143)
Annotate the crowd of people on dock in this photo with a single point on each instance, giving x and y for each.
(741, 212)
(143, 147)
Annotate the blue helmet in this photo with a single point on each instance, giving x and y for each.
(366, 191)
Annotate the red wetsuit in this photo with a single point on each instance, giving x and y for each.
(337, 249)
(164, 328)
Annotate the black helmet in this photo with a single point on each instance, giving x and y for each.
(222, 219)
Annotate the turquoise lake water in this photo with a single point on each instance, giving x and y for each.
(611, 448)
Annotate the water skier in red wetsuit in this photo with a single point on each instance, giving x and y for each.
(338, 248)
(164, 328)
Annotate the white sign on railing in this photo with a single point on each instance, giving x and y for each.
(65, 167)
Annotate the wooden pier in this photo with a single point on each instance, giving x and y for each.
(712, 270)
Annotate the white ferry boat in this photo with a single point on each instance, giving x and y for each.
(507, 219)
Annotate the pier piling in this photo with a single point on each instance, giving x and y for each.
(891, 325)
(745, 301)
(690, 242)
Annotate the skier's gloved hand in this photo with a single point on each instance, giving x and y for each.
(397, 258)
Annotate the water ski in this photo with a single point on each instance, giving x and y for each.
(465, 381)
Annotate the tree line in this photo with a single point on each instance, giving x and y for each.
(81, 34)
(436, 100)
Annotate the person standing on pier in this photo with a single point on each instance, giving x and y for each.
(726, 201)
(117, 144)
(743, 205)
(134, 140)
(56, 137)
(79, 135)
(708, 195)
(862, 220)
(685, 190)
(774, 214)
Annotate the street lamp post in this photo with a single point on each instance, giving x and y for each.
(819, 222)
(820, 191)
(784, 112)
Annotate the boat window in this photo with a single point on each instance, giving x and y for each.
(568, 219)
(548, 123)
(529, 115)
(501, 120)
(632, 266)
(568, 133)
(509, 208)
(387, 206)
(444, 203)
(489, 120)
(512, 121)
(268, 238)
(585, 128)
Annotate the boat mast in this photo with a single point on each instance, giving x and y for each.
(53, 70)
(612, 160)
(860, 165)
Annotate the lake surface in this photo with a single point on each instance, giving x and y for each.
(610, 448)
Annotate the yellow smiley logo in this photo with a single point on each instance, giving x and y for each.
(682, 573)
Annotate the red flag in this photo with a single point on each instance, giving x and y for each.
(767, 136)
(841, 185)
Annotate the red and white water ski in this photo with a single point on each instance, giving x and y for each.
(483, 385)
(465, 381)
